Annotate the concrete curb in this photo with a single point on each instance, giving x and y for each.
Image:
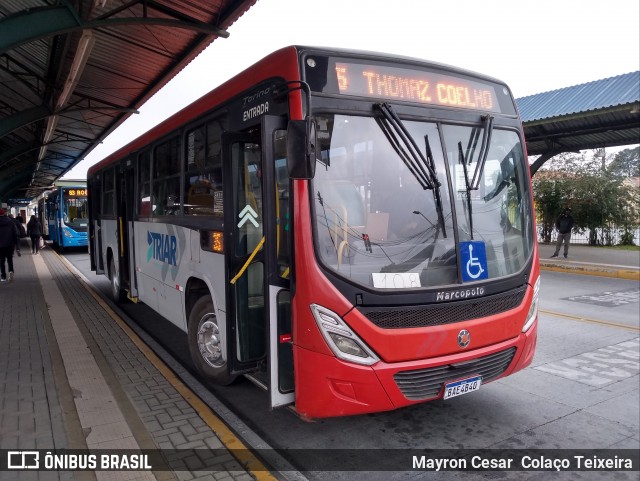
(592, 270)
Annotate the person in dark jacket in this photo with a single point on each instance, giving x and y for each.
(8, 237)
(18, 221)
(34, 230)
(564, 224)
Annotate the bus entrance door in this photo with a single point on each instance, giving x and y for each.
(258, 301)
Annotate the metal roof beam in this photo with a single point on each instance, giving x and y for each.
(26, 117)
(533, 168)
(7, 155)
(38, 23)
(23, 74)
(22, 119)
(11, 153)
(12, 182)
(576, 131)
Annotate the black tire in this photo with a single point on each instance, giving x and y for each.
(117, 294)
(205, 343)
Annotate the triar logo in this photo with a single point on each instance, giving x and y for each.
(162, 247)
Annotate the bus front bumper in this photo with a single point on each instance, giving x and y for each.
(76, 242)
(327, 386)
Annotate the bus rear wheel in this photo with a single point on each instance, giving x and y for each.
(205, 342)
(117, 293)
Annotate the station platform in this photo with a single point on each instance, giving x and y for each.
(74, 376)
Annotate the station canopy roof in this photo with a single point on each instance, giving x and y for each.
(72, 71)
(602, 113)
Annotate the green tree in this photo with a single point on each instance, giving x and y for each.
(628, 213)
(597, 195)
(595, 202)
(626, 163)
(550, 195)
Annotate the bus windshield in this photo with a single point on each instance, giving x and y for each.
(378, 222)
(76, 213)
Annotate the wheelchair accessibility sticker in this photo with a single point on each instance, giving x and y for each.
(474, 261)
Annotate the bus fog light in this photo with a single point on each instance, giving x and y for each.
(346, 345)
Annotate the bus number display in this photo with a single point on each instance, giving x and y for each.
(415, 86)
(75, 192)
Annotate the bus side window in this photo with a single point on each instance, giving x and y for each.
(166, 178)
(144, 184)
(203, 170)
(108, 192)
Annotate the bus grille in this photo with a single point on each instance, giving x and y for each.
(449, 313)
(426, 383)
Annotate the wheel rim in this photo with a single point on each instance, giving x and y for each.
(209, 340)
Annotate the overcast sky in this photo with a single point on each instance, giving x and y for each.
(533, 45)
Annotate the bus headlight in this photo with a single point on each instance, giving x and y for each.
(67, 232)
(533, 310)
(344, 343)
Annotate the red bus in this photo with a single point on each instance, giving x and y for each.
(352, 231)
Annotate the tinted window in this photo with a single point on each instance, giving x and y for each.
(108, 192)
(144, 184)
(166, 178)
(203, 170)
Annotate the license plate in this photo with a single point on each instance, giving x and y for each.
(462, 386)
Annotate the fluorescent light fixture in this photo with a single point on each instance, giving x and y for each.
(85, 45)
(77, 67)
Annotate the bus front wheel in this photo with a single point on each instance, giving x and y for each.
(205, 342)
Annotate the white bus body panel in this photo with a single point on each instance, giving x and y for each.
(167, 256)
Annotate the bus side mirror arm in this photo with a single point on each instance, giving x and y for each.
(302, 144)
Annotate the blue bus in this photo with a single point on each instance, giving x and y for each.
(67, 213)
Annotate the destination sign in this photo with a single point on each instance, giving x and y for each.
(415, 86)
(75, 192)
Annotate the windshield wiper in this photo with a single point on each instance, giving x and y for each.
(474, 184)
(405, 146)
(423, 169)
(461, 160)
(484, 151)
(436, 191)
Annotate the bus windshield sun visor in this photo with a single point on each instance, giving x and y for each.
(423, 169)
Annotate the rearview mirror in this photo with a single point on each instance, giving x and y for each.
(301, 148)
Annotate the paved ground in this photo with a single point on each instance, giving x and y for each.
(71, 378)
(601, 261)
(595, 255)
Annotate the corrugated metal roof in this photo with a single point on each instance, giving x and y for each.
(137, 46)
(599, 94)
(602, 113)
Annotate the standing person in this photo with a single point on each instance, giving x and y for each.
(8, 237)
(21, 233)
(564, 224)
(34, 230)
